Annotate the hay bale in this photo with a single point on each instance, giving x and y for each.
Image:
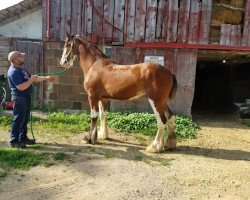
(227, 15)
(234, 3)
(237, 3)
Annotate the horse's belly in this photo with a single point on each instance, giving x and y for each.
(129, 92)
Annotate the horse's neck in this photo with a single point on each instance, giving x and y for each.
(86, 61)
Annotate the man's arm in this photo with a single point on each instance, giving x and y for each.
(44, 78)
(28, 83)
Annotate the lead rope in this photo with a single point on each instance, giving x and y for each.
(32, 100)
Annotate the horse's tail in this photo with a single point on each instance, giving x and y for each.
(174, 88)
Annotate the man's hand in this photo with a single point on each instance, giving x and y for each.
(34, 78)
(50, 78)
(45, 78)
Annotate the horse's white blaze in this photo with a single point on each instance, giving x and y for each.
(158, 143)
(103, 132)
(63, 59)
(94, 114)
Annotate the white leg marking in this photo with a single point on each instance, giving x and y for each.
(158, 143)
(103, 132)
(94, 114)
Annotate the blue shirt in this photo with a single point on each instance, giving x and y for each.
(17, 76)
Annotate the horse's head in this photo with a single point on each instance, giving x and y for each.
(70, 51)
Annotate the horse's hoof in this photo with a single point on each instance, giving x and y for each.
(153, 149)
(86, 139)
(102, 136)
(170, 144)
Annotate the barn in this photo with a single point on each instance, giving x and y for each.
(205, 43)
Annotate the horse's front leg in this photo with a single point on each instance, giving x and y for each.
(103, 132)
(92, 137)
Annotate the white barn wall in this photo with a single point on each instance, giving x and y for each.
(29, 26)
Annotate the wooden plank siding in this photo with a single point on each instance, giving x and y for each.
(76, 28)
(97, 26)
(236, 35)
(88, 17)
(171, 21)
(140, 19)
(130, 20)
(225, 38)
(246, 29)
(183, 22)
(161, 16)
(108, 19)
(206, 11)
(185, 75)
(194, 22)
(66, 21)
(150, 21)
(119, 18)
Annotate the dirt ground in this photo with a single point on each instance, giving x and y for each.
(216, 165)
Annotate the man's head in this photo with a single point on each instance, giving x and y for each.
(16, 58)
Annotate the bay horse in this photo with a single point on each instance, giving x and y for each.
(104, 79)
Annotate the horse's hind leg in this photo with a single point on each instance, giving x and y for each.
(92, 137)
(103, 132)
(171, 140)
(158, 143)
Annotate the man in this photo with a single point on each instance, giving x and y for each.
(20, 82)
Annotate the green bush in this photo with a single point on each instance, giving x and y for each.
(246, 122)
(146, 123)
(185, 127)
(128, 121)
(6, 120)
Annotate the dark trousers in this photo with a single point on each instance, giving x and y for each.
(21, 113)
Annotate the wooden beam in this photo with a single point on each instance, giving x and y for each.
(186, 46)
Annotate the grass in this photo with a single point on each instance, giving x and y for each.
(61, 125)
(109, 156)
(19, 159)
(3, 174)
(246, 122)
(60, 156)
(24, 159)
(142, 159)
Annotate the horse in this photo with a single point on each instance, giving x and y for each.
(106, 80)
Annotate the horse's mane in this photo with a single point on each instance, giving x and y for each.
(95, 52)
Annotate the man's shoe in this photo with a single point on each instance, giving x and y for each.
(19, 145)
(29, 141)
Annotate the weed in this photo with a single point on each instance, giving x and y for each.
(246, 122)
(60, 156)
(165, 163)
(3, 174)
(141, 158)
(108, 156)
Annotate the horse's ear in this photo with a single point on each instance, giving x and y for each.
(68, 35)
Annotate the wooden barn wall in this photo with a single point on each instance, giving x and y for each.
(5, 47)
(183, 21)
(170, 21)
(181, 62)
